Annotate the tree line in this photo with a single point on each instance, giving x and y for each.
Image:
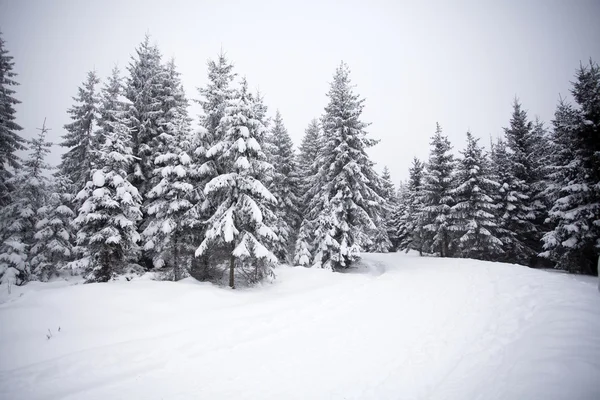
(141, 187)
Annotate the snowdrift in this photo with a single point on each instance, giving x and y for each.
(399, 327)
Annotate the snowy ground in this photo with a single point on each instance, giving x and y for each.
(402, 327)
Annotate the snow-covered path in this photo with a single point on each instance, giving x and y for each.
(404, 328)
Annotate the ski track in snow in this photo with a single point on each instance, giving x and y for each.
(399, 327)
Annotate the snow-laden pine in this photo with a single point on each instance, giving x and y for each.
(76, 162)
(110, 211)
(144, 91)
(574, 241)
(520, 217)
(382, 239)
(10, 140)
(308, 167)
(237, 227)
(345, 201)
(19, 218)
(408, 217)
(437, 196)
(214, 98)
(54, 235)
(285, 187)
(112, 105)
(473, 217)
(169, 234)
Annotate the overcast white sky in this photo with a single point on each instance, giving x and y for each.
(459, 63)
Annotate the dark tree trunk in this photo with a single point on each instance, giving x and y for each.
(232, 272)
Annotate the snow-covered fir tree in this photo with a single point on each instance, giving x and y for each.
(237, 227)
(107, 220)
(214, 98)
(382, 242)
(473, 217)
(345, 200)
(401, 217)
(112, 105)
(76, 162)
(437, 196)
(144, 90)
(169, 232)
(507, 200)
(309, 153)
(308, 167)
(19, 218)
(285, 186)
(173, 122)
(408, 216)
(10, 140)
(54, 236)
(519, 217)
(574, 242)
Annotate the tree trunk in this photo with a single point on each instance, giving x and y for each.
(176, 266)
(231, 272)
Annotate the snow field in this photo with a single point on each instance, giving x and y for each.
(401, 327)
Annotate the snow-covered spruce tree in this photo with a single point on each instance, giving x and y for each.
(437, 196)
(214, 98)
(519, 218)
(237, 226)
(540, 161)
(346, 197)
(284, 186)
(408, 217)
(574, 243)
(111, 108)
(381, 242)
(76, 162)
(307, 167)
(507, 200)
(473, 217)
(560, 152)
(19, 218)
(173, 218)
(308, 155)
(144, 90)
(169, 234)
(54, 236)
(107, 220)
(401, 217)
(10, 140)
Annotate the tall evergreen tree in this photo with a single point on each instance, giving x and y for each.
(408, 217)
(237, 227)
(107, 220)
(54, 236)
(76, 161)
(521, 166)
(507, 199)
(437, 195)
(309, 154)
(111, 107)
(214, 98)
(574, 243)
(381, 242)
(19, 218)
(144, 89)
(308, 168)
(346, 200)
(284, 186)
(389, 193)
(10, 140)
(172, 216)
(473, 217)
